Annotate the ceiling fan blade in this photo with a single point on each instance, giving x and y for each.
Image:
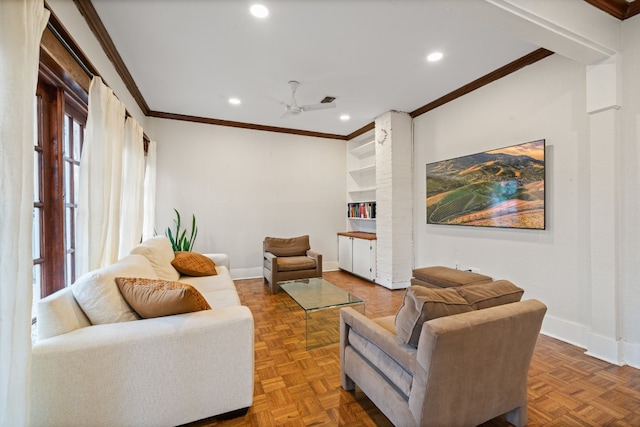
(321, 106)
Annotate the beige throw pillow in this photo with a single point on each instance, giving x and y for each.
(159, 252)
(421, 304)
(97, 292)
(155, 298)
(194, 264)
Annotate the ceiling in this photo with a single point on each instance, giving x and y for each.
(188, 57)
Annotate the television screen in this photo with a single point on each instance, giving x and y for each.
(497, 188)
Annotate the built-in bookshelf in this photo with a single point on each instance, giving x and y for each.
(361, 210)
(361, 183)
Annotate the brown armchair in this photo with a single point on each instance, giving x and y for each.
(289, 259)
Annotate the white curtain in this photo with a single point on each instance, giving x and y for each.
(133, 169)
(149, 221)
(21, 26)
(100, 181)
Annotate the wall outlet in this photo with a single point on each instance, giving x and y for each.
(457, 265)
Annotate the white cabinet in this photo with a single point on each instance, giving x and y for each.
(357, 254)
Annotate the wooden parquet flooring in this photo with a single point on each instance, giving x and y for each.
(296, 387)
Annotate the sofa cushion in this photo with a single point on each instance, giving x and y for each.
(97, 292)
(292, 246)
(59, 313)
(221, 281)
(490, 294)
(194, 264)
(294, 263)
(156, 298)
(159, 252)
(445, 277)
(421, 304)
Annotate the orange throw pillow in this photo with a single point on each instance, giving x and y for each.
(156, 298)
(194, 264)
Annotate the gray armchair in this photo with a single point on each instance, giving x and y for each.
(289, 259)
(466, 369)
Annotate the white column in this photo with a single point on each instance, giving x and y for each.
(394, 209)
(603, 95)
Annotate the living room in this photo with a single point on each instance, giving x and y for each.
(244, 184)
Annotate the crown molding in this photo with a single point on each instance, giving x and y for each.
(243, 125)
(97, 27)
(501, 72)
(621, 9)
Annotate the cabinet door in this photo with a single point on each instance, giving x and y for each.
(345, 253)
(362, 258)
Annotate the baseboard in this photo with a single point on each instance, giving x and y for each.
(604, 348)
(631, 352)
(569, 332)
(597, 346)
(246, 273)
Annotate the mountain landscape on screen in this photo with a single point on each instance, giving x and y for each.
(497, 188)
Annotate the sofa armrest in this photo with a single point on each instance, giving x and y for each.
(386, 341)
(177, 362)
(219, 259)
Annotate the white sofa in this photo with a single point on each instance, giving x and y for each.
(162, 371)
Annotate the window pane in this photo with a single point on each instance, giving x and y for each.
(36, 233)
(77, 139)
(67, 228)
(68, 176)
(67, 152)
(35, 122)
(36, 176)
(76, 177)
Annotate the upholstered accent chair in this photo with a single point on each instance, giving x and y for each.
(289, 259)
(464, 370)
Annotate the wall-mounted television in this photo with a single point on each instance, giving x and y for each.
(504, 188)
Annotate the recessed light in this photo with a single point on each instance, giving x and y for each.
(344, 117)
(234, 101)
(435, 56)
(259, 11)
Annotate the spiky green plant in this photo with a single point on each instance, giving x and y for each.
(180, 241)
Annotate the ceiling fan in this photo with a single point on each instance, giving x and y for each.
(293, 109)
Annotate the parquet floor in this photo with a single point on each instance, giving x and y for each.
(296, 387)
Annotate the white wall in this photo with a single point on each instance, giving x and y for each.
(630, 189)
(545, 100)
(243, 185)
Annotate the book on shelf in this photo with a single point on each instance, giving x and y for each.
(363, 210)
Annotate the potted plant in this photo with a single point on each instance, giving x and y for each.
(180, 241)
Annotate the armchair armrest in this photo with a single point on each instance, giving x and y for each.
(219, 259)
(386, 341)
(315, 255)
(272, 260)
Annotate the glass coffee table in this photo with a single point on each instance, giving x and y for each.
(321, 302)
